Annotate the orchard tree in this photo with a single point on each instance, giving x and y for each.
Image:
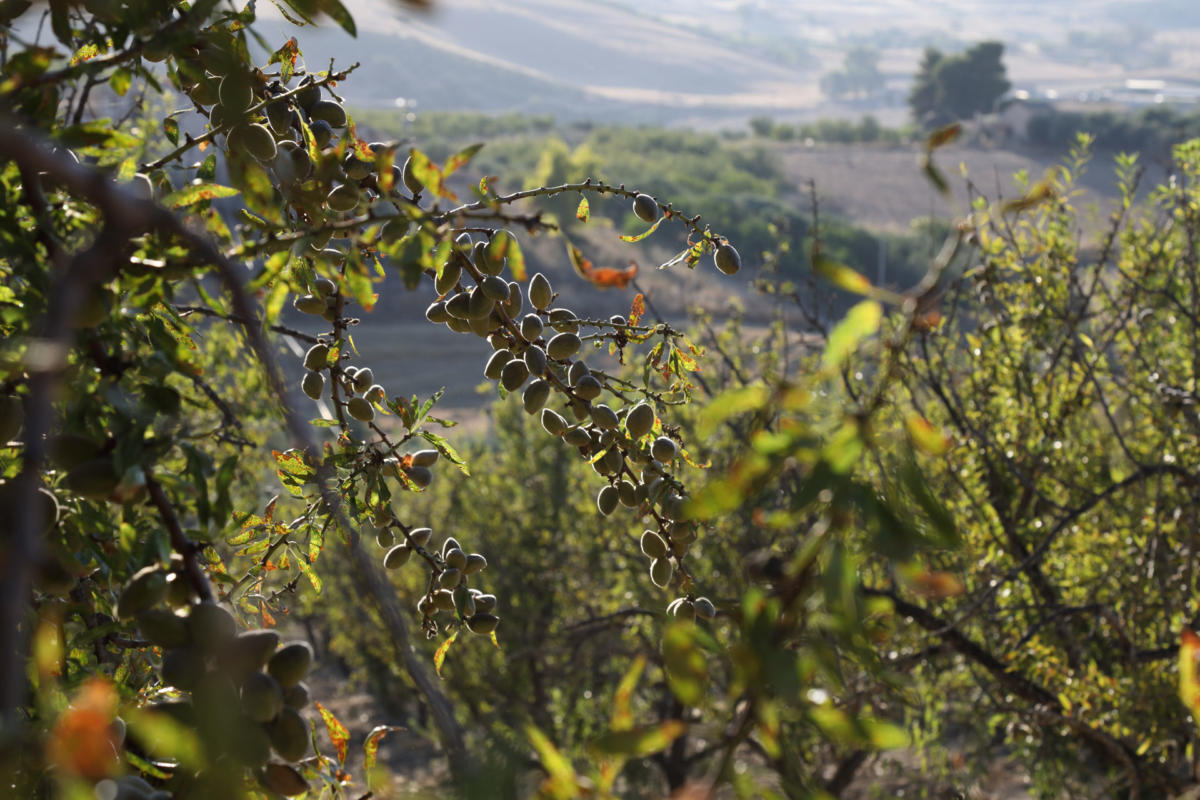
(157, 259)
(144, 566)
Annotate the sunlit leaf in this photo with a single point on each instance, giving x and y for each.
(584, 212)
(371, 745)
(337, 732)
(730, 404)
(925, 436)
(622, 716)
(1040, 192)
(562, 780)
(1189, 685)
(841, 276)
(637, 309)
(641, 741)
(504, 245)
(637, 237)
(460, 159)
(861, 321)
(439, 655)
(687, 671)
(164, 737)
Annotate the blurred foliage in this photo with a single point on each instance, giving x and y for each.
(1152, 132)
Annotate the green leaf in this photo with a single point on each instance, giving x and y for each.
(60, 20)
(860, 322)
(841, 276)
(445, 448)
(339, 14)
(639, 236)
(641, 741)
(164, 737)
(584, 212)
(439, 656)
(843, 449)
(171, 129)
(120, 80)
(687, 671)
(731, 404)
(197, 193)
(934, 176)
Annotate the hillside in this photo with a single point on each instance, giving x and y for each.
(654, 62)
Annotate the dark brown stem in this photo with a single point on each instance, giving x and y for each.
(179, 540)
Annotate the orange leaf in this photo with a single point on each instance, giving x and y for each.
(936, 584)
(337, 732)
(637, 309)
(609, 277)
(83, 741)
(1189, 687)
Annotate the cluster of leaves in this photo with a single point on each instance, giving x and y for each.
(1151, 132)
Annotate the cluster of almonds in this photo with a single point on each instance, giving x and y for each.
(537, 355)
(725, 256)
(244, 690)
(452, 569)
(487, 306)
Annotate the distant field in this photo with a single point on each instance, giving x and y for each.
(709, 63)
(882, 188)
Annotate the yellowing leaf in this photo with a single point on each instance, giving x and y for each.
(337, 732)
(439, 656)
(860, 322)
(460, 159)
(1189, 688)
(371, 745)
(197, 193)
(687, 671)
(639, 236)
(562, 780)
(641, 741)
(584, 212)
(841, 276)
(925, 436)
(622, 716)
(943, 136)
(1041, 191)
(503, 245)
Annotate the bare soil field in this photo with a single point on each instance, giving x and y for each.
(882, 188)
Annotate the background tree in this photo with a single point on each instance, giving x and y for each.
(957, 87)
(858, 77)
